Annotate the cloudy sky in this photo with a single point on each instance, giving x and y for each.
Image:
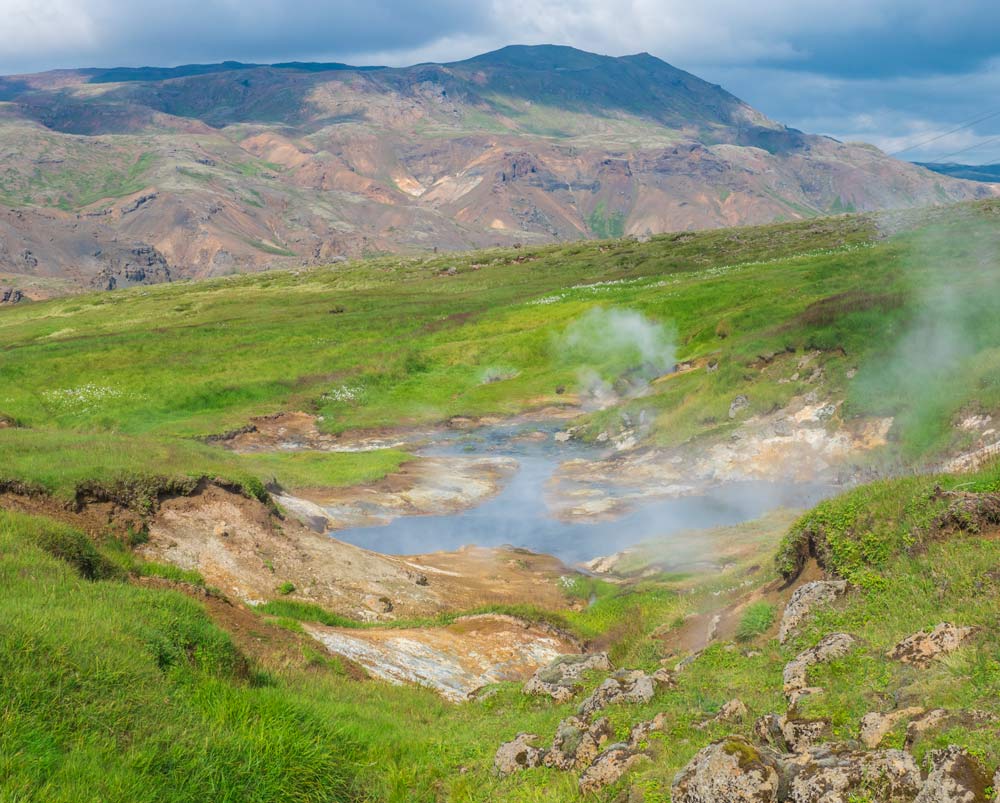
(903, 74)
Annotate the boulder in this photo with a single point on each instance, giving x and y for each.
(609, 767)
(577, 743)
(518, 754)
(956, 776)
(731, 770)
(875, 726)
(560, 679)
(921, 649)
(839, 774)
(624, 686)
(804, 601)
(833, 646)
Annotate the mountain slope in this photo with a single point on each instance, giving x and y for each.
(139, 175)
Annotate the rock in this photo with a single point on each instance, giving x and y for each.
(221, 530)
(741, 402)
(664, 677)
(833, 646)
(733, 711)
(576, 743)
(561, 437)
(804, 601)
(838, 774)
(608, 767)
(801, 734)
(559, 680)
(728, 771)
(875, 726)
(624, 686)
(939, 719)
(956, 776)
(921, 649)
(797, 694)
(713, 628)
(768, 731)
(518, 754)
(10, 295)
(916, 728)
(641, 731)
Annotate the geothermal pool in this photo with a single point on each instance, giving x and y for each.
(520, 516)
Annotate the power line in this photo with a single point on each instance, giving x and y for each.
(962, 127)
(990, 141)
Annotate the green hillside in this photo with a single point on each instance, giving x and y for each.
(122, 679)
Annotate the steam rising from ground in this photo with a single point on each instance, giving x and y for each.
(616, 353)
(945, 351)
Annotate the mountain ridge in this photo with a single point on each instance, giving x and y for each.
(246, 167)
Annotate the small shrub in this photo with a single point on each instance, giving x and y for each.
(286, 588)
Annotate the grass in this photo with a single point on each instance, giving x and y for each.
(61, 462)
(111, 690)
(114, 691)
(756, 620)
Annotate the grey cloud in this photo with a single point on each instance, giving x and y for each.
(889, 71)
(43, 34)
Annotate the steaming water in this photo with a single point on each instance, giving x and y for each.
(519, 516)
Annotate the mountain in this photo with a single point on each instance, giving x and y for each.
(137, 175)
(987, 173)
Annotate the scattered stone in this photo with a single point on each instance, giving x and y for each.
(576, 743)
(875, 726)
(624, 686)
(738, 404)
(837, 773)
(798, 694)
(713, 628)
(956, 776)
(731, 770)
(767, 729)
(641, 731)
(561, 437)
(921, 649)
(939, 719)
(733, 711)
(833, 646)
(664, 677)
(919, 726)
(608, 767)
(686, 661)
(804, 601)
(221, 530)
(801, 734)
(10, 295)
(560, 679)
(518, 754)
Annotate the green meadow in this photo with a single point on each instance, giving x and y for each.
(117, 688)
